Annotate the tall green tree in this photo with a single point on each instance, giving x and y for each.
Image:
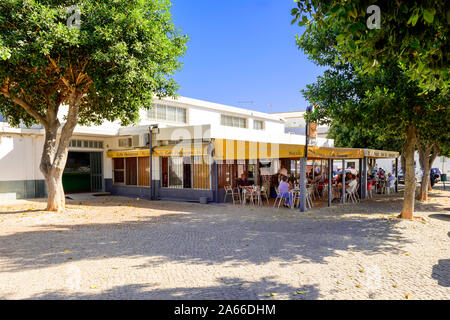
(414, 32)
(384, 99)
(121, 55)
(433, 141)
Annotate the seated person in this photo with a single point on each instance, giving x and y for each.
(318, 178)
(284, 188)
(242, 181)
(352, 183)
(390, 178)
(348, 177)
(283, 172)
(291, 178)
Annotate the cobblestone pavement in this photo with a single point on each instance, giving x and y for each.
(121, 248)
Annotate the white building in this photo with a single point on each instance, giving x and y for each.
(295, 123)
(116, 159)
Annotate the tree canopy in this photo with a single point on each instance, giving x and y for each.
(107, 65)
(369, 85)
(414, 32)
(125, 52)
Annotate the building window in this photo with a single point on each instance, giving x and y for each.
(258, 124)
(125, 142)
(119, 170)
(167, 113)
(233, 121)
(175, 172)
(185, 173)
(131, 171)
(144, 171)
(86, 144)
(201, 173)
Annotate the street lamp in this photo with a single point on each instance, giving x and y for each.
(303, 163)
(308, 110)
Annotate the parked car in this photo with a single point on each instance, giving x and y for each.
(401, 178)
(435, 176)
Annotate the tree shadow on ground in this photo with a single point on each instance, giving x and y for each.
(226, 289)
(440, 216)
(205, 235)
(19, 212)
(441, 272)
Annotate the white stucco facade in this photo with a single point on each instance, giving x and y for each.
(21, 148)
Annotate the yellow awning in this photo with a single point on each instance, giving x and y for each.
(128, 153)
(237, 149)
(181, 150)
(371, 153)
(334, 153)
(225, 149)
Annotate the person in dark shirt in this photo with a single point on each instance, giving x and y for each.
(242, 181)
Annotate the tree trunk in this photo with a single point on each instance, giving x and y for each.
(56, 200)
(423, 194)
(410, 179)
(53, 160)
(426, 159)
(403, 163)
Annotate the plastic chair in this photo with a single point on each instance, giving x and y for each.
(263, 193)
(278, 198)
(352, 194)
(389, 186)
(309, 196)
(229, 191)
(295, 198)
(248, 193)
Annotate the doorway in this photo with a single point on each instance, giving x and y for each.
(83, 172)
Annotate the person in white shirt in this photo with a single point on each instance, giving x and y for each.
(352, 183)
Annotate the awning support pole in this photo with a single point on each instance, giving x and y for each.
(215, 180)
(360, 181)
(330, 179)
(302, 184)
(343, 181)
(150, 143)
(364, 178)
(396, 175)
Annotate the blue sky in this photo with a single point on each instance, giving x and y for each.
(242, 51)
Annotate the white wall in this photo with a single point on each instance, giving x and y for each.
(20, 157)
